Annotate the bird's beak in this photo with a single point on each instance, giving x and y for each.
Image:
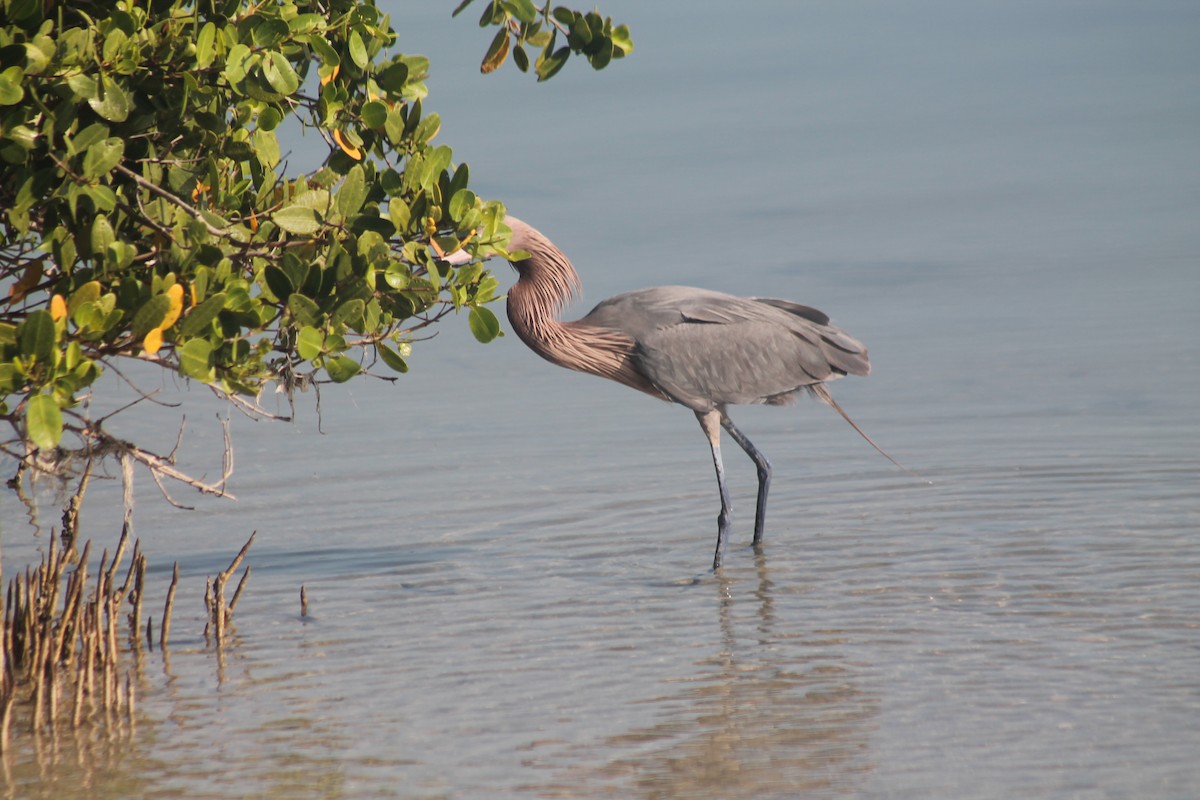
(457, 258)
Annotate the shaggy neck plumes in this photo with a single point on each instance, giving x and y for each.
(547, 277)
(547, 283)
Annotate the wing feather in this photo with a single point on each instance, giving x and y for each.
(705, 348)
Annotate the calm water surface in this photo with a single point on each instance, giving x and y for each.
(506, 563)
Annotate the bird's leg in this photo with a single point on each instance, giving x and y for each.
(764, 474)
(710, 422)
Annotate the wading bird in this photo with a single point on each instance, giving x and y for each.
(701, 349)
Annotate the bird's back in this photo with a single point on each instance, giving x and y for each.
(704, 349)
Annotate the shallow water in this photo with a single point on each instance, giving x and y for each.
(506, 563)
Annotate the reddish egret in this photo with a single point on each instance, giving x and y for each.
(701, 349)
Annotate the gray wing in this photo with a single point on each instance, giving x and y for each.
(705, 348)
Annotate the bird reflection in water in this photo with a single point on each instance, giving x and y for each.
(758, 722)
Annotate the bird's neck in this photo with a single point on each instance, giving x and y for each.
(584, 348)
(545, 335)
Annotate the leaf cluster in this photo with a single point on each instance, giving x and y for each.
(555, 32)
(146, 209)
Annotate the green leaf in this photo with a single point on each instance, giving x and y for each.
(297, 271)
(120, 254)
(353, 192)
(10, 380)
(38, 54)
(279, 74)
(102, 235)
(114, 45)
(372, 316)
(102, 157)
(393, 77)
(523, 10)
(317, 199)
(104, 198)
(427, 128)
(310, 342)
(83, 86)
(492, 15)
(198, 320)
(278, 282)
(462, 176)
(36, 336)
(483, 323)
(150, 315)
(306, 23)
(80, 142)
(462, 202)
(304, 310)
(358, 50)
(266, 148)
(269, 119)
(88, 293)
(11, 91)
(121, 20)
(622, 43)
(341, 368)
(548, 67)
(111, 103)
(324, 51)
(600, 59)
(235, 63)
(270, 32)
(391, 357)
(43, 421)
(581, 31)
(374, 114)
(196, 360)
(298, 219)
(205, 51)
(348, 313)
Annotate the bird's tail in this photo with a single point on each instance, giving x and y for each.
(819, 390)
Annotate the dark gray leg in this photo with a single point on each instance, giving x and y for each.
(764, 475)
(710, 423)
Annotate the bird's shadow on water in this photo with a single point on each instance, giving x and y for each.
(771, 709)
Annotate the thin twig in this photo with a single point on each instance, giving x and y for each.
(238, 592)
(154, 188)
(166, 620)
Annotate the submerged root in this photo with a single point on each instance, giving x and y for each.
(61, 658)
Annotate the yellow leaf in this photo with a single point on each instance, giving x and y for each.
(58, 307)
(153, 341)
(347, 148)
(333, 74)
(175, 295)
(192, 292)
(497, 52)
(33, 274)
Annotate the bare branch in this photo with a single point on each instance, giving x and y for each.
(160, 466)
(252, 410)
(174, 199)
(167, 495)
